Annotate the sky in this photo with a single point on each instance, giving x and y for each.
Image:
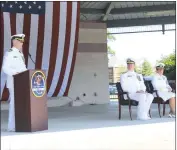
(140, 46)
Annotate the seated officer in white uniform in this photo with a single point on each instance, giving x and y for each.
(13, 63)
(160, 83)
(133, 83)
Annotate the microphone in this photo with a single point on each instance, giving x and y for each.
(31, 58)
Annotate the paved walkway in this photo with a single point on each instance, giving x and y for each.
(94, 128)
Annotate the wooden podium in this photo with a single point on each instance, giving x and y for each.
(31, 113)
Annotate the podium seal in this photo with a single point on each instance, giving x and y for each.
(38, 86)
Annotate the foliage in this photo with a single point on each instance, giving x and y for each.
(110, 38)
(170, 66)
(138, 69)
(110, 51)
(146, 68)
(122, 69)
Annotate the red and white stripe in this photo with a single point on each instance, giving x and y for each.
(51, 39)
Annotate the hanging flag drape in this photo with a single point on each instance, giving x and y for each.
(51, 37)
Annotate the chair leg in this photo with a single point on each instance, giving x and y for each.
(119, 111)
(159, 109)
(149, 113)
(164, 109)
(130, 111)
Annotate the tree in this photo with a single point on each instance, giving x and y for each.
(146, 68)
(170, 65)
(110, 38)
(122, 69)
(138, 69)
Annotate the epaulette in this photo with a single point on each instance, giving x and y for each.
(10, 50)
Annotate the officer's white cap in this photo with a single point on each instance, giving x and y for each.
(130, 61)
(160, 65)
(18, 37)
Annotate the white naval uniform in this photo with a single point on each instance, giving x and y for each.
(132, 82)
(13, 63)
(160, 83)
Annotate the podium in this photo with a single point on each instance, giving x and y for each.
(30, 101)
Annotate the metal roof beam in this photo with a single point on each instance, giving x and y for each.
(108, 10)
(143, 9)
(91, 11)
(141, 21)
(128, 10)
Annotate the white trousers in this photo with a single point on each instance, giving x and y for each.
(165, 95)
(145, 101)
(11, 119)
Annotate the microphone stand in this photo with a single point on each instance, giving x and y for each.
(31, 58)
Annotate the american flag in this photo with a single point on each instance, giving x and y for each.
(51, 30)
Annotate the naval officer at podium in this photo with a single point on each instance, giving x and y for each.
(13, 63)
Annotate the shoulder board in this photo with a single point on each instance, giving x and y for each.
(10, 50)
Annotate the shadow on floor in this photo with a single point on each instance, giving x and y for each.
(89, 117)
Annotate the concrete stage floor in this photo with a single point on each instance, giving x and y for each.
(94, 127)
